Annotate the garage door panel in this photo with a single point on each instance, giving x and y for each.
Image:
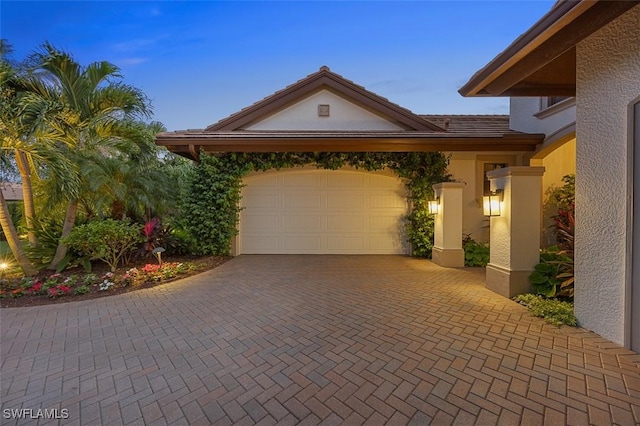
(382, 222)
(263, 223)
(345, 182)
(258, 244)
(380, 201)
(257, 201)
(302, 200)
(322, 211)
(383, 244)
(342, 222)
(302, 180)
(346, 243)
(345, 202)
(302, 244)
(304, 222)
(377, 181)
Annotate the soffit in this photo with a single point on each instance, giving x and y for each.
(542, 61)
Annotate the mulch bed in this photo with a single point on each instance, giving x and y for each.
(202, 264)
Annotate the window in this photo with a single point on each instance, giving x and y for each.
(487, 163)
(552, 100)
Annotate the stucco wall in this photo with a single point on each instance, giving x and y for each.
(557, 164)
(522, 116)
(608, 79)
(343, 115)
(463, 167)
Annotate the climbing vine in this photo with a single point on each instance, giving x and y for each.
(211, 206)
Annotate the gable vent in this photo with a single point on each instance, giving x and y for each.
(323, 110)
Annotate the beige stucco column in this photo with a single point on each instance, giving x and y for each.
(515, 234)
(447, 247)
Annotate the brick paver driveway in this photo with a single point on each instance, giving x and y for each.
(313, 339)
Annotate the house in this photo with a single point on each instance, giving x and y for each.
(588, 51)
(11, 191)
(348, 211)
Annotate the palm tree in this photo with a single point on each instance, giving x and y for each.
(12, 136)
(132, 182)
(88, 125)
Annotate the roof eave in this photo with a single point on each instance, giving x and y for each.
(541, 62)
(190, 146)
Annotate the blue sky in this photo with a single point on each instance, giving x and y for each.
(200, 61)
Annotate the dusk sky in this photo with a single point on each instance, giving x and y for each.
(199, 61)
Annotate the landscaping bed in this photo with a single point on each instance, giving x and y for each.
(76, 284)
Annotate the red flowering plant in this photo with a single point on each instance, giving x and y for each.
(36, 288)
(59, 290)
(152, 232)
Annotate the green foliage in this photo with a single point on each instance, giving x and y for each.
(107, 240)
(83, 289)
(475, 253)
(553, 276)
(564, 223)
(553, 311)
(564, 196)
(210, 210)
(17, 217)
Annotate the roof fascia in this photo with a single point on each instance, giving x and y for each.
(190, 146)
(559, 30)
(314, 83)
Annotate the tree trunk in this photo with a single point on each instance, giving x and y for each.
(69, 222)
(12, 238)
(27, 196)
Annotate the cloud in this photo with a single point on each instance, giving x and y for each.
(135, 45)
(133, 61)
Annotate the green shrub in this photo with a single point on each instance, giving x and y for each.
(107, 240)
(211, 208)
(553, 276)
(553, 311)
(475, 253)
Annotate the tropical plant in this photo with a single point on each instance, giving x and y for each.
(475, 253)
(564, 223)
(553, 276)
(107, 240)
(89, 125)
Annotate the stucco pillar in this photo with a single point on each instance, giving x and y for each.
(515, 234)
(447, 247)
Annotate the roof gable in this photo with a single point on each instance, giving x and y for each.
(325, 80)
(324, 110)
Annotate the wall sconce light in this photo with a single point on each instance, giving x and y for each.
(492, 203)
(434, 206)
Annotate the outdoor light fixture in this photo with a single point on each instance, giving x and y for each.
(434, 206)
(492, 203)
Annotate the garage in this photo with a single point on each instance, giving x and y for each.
(309, 211)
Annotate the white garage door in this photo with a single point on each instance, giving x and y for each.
(322, 212)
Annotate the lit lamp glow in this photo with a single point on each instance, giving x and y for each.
(492, 203)
(434, 206)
